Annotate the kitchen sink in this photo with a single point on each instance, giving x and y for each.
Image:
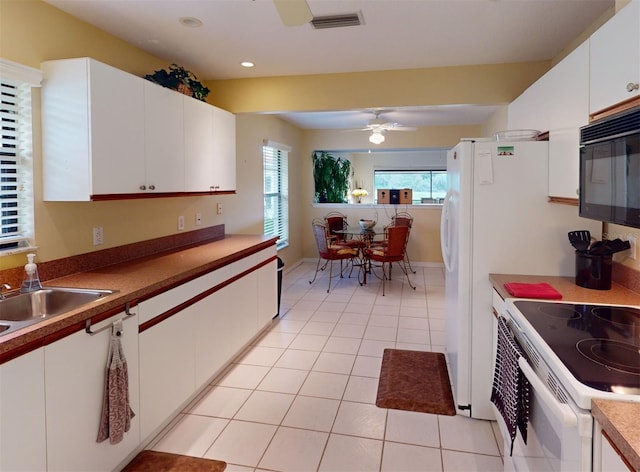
(22, 309)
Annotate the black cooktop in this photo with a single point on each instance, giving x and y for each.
(600, 345)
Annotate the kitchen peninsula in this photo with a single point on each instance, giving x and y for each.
(191, 316)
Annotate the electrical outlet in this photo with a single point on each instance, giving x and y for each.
(198, 219)
(219, 208)
(180, 223)
(98, 235)
(632, 249)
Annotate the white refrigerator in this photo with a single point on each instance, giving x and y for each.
(496, 218)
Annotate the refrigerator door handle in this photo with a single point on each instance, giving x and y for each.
(445, 232)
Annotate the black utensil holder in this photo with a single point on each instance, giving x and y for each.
(593, 270)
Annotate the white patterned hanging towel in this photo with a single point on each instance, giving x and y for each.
(116, 415)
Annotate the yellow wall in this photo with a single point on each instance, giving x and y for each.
(485, 84)
(32, 31)
(244, 211)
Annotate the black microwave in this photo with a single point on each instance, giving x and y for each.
(610, 169)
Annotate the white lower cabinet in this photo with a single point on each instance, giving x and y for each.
(605, 456)
(242, 319)
(22, 413)
(75, 369)
(214, 334)
(167, 369)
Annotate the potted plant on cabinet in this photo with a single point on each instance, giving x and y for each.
(180, 79)
(331, 177)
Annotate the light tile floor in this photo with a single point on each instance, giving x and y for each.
(302, 396)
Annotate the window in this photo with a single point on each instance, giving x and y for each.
(276, 191)
(426, 185)
(16, 174)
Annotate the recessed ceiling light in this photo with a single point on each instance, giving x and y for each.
(247, 64)
(190, 22)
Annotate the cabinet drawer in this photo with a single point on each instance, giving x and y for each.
(157, 305)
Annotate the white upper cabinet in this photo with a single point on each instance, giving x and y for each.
(531, 109)
(198, 145)
(615, 59)
(92, 130)
(110, 134)
(210, 148)
(570, 110)
(224, 150)
(558, 103)
(164, 139)
(568, 93)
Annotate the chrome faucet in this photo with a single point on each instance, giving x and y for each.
(4, 286)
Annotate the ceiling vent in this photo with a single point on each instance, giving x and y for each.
(336, 21)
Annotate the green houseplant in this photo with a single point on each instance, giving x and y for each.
(180, 79)
(331, 177)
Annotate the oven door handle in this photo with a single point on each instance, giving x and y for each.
(562, 411)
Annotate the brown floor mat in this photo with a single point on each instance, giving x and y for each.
(154, 461)
(415, 381)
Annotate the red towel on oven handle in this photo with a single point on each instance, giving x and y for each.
(538, 290)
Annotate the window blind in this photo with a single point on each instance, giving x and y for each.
(16, 190)
(276, 193)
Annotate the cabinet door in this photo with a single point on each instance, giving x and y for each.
(531, 110)
(243, 318)
(213, 334)
(615, 58)
(569, 95)
(568, 91)
(200, 172)
(611, 459)
(167, 370)
(22, 413)
(164, 139)
(75, 375)
(117, 130)
(564, 162)
(224, 150)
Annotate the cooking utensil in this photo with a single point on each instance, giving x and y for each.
(606, 247)
(580, 239)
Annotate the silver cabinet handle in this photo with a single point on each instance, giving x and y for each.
(152, 187)
(632, 87)
(142, 187)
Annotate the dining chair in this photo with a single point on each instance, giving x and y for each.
(393, 250)
(404, 219)
(337, 222)
(329, 251)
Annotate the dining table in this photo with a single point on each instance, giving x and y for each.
(367, 236)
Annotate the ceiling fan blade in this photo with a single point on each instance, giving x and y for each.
(401, 128)
(293, 12)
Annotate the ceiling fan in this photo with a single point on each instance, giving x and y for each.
(378, 126)
(293, 12)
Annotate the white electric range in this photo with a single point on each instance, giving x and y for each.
(574, 353)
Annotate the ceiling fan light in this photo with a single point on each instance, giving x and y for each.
(376, 137)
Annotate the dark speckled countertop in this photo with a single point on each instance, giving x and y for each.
(620, 420)
(134, 280)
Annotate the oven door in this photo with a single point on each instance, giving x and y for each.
(558, 434)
